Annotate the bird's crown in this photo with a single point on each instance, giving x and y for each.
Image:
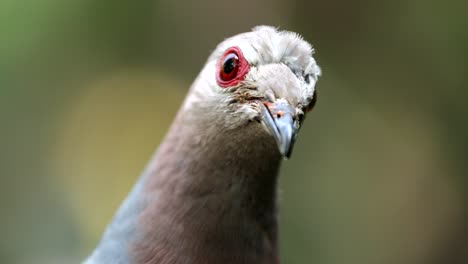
(264, 75)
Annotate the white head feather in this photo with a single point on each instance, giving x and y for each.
(282, 68)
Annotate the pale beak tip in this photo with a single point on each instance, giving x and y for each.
(282, 128)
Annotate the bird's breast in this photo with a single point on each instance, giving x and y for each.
(214, 202)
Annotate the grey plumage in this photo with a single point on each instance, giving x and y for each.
(209, 193)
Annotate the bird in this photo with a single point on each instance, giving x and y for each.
(209, 193)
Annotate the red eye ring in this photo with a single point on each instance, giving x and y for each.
(231, 68)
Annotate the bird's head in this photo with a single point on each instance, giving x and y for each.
(266, 76)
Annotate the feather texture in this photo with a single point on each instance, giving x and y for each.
(209, 193)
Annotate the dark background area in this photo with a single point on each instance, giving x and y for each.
(88, 89)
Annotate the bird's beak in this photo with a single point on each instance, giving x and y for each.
(278, 119)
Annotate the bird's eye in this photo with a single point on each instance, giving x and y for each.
(300, 118)
(232, 68)
(307, 78)
(312, 103)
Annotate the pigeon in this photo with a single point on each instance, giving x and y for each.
(209, 194)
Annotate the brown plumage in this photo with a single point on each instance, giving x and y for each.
(209, 193)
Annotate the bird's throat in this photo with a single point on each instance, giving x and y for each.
(214, 189)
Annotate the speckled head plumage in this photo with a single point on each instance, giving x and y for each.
(209, 195)
(274, 83)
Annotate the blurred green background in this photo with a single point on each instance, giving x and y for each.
(88, 88)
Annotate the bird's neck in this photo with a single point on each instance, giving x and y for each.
(211, 195)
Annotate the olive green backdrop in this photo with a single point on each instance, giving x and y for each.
(88, 88)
